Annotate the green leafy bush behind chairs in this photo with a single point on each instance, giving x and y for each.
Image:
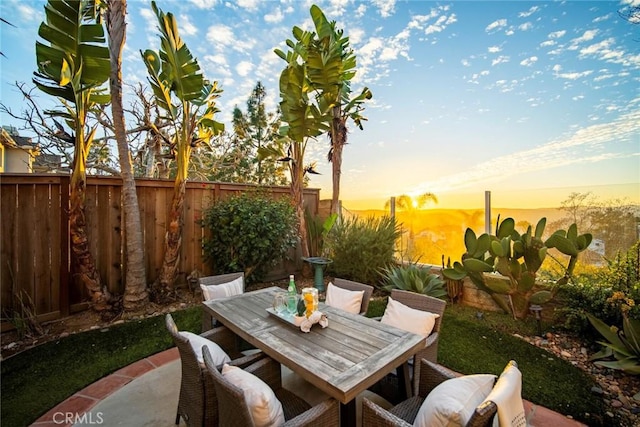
(361, 247)
(516, 258)
(249, 233)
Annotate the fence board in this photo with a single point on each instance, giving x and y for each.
(27, 224)
(8, 254)
(42, 284)
(34, 252)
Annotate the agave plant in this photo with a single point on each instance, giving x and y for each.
(623, 345)
(414, 278)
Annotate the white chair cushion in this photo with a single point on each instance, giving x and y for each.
(264, 406)
(197, 342)
(407, 318)
(452, 402)
(344, 299)
(234, 287)
(507, 395)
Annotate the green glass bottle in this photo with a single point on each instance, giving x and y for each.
(292, 286)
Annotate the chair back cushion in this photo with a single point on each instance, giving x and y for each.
(344, 299)
(507, 395)
(234, 287)
(407, 318)
(197, 342)
(264, 406)
(452, 402)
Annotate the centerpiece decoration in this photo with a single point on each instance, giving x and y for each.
(308, 310)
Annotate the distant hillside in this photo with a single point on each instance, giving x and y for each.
(530, 215)
(431, 233)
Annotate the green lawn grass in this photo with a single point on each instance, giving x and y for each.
(37, 379)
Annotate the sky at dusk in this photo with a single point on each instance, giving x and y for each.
(528, 99)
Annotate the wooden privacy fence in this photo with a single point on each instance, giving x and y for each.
(35, 248)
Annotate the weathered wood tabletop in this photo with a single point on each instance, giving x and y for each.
(343, 359)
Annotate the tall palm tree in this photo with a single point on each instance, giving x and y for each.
(175, 73)
(73, 65)
(135, 291)
(331, 66)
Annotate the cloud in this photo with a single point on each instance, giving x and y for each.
(531, 11)
(574, 75)
(28, 13)
(587, 36)
(243, 68)
(602, 18)
(500, 60)
(442, 20)
(590, 144)
(186, 27)
(442, 23)
(251, 5)
(274, 17)
(525, 27)
(496, 25)
(494, 49)
(204, 4)
(529, 61)
(221, 36)
(557, 34)
(216, 65)
(386, 8)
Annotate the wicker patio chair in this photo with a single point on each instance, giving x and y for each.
(356, 286)
(197, 403)
(388, 387)
(404, 413)
(234, 411)
(208, 321)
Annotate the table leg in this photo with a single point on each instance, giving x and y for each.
(348, 414)
(404, 382)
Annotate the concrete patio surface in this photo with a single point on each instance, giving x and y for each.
(145, 393)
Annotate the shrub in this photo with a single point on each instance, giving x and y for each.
(593, 293)
(414, 278)
(361, 247)
(250, 233)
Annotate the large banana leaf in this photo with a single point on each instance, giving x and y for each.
(73, 51)
(304, 118)
(179, 71)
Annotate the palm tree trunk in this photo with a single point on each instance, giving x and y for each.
(338, 139)
(135, 290)
(85, 267)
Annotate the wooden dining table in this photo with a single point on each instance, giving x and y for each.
(344, 359)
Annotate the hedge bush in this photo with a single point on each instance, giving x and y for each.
(250, 232)
(361, 247)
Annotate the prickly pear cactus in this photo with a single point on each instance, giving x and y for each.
(516, 258)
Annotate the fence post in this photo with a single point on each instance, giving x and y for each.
(487, 212)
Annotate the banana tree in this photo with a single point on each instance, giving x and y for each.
(302, 118)
(331, 65)
(73, 65)
(174, 74)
